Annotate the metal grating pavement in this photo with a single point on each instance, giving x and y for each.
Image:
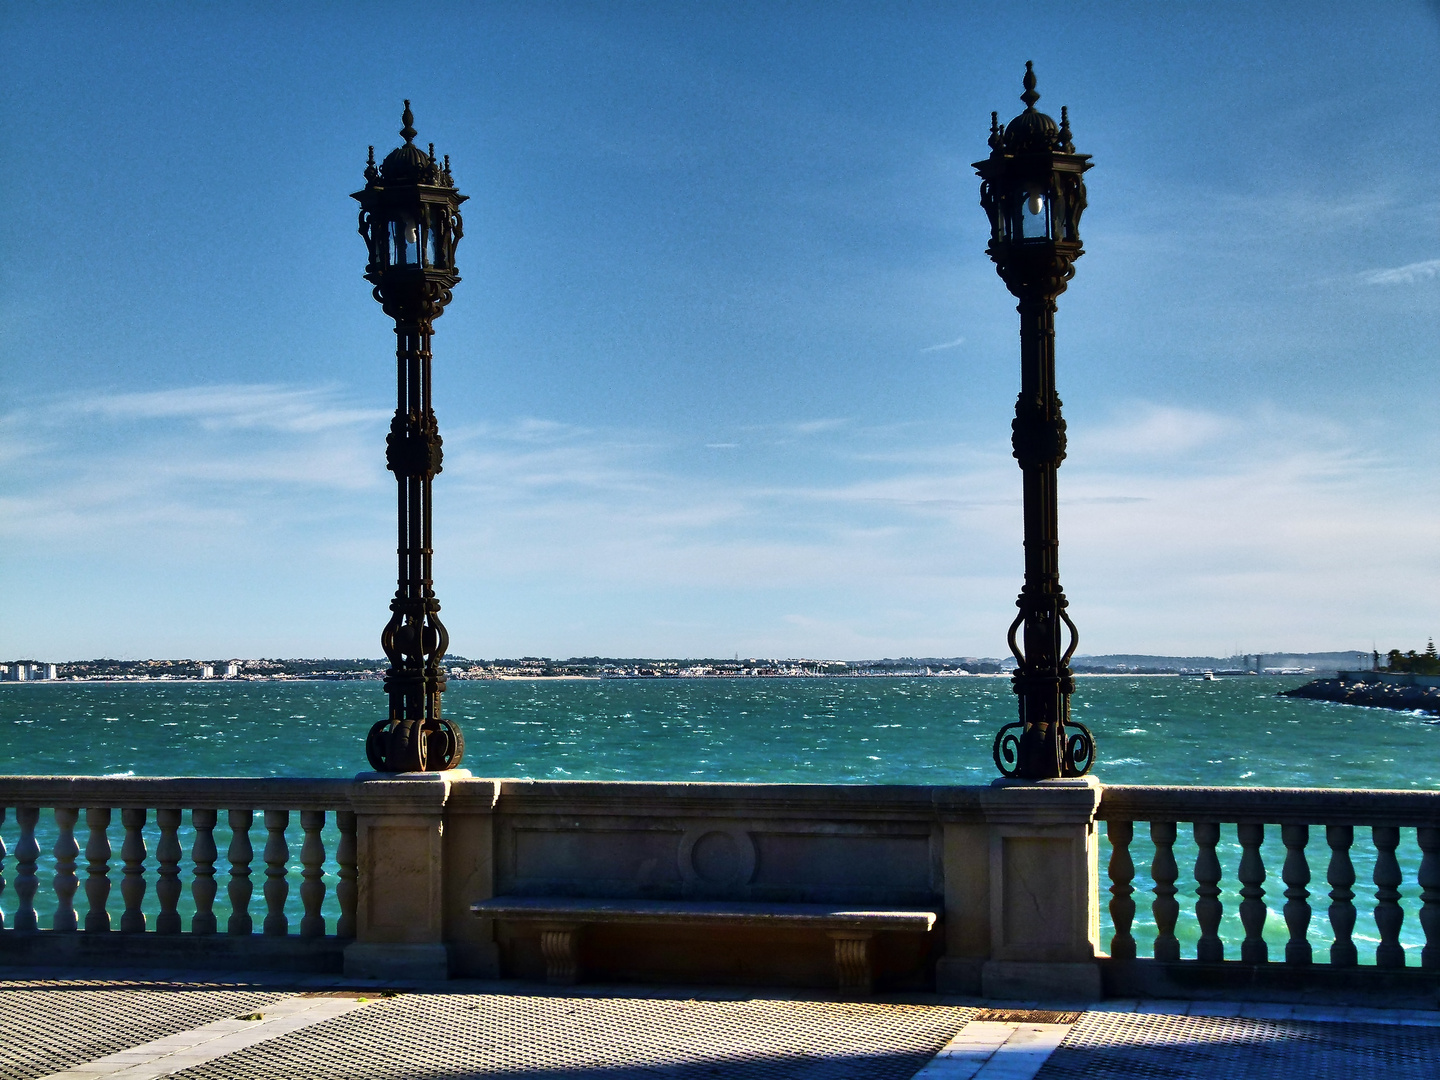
(53, 1027)
(1141, 1046)
(455, 1036)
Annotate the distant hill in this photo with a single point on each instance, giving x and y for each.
(1319, 662)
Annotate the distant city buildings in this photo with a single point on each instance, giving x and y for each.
(28, 671)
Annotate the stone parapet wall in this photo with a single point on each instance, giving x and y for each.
(967, 889)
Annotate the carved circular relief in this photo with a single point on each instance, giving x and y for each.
(723, 856)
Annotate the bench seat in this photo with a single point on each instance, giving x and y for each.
(561, 918)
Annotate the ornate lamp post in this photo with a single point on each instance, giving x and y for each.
(410, 219)
(1033, 190)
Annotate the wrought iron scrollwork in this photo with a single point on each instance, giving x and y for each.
(445, 745)
(1010, 638)
(1006, 750)
(377, 746)
(1077, 749)
(1074, 634)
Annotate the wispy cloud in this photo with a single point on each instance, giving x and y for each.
(1409, 274)
(1151, 431)
(944, 345)
(279, 408)
(194, 458)
(1183, 528)
(797, 429)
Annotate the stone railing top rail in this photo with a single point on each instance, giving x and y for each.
(1270, 805)
(1262, 805)
(183, 792)
(865, 800)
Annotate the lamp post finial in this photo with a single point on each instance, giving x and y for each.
(1029, 97)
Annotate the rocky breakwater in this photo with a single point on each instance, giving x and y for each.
(1353, 688)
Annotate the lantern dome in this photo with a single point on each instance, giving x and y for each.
(1029, 131)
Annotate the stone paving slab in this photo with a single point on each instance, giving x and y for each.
(434, 1036)
(162, 1057)
(47, 1027)
(996, 1050)
(1106, 1045)
(173, 1024)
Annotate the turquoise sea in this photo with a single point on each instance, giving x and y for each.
(1149, 730)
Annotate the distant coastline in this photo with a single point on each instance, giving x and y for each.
(378, 676)
(595, 668)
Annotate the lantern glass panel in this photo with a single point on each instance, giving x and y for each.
(1035, 213)
(404, 241)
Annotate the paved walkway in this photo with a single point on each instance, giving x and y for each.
(140, 1026)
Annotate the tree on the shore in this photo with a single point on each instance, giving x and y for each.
(1426, 663)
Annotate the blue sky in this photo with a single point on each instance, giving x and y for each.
(728, 370)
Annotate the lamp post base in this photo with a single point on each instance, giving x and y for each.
(410, 746)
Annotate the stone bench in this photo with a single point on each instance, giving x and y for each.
(560, 920)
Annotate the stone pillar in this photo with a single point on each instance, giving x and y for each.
(470, 876)
(966, 873)
(1044, 888)
(400, 849)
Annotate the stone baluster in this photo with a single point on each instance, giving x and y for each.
(1341, 877)
(65, 883)
(1388, 914)
(240, 854)
(1122, 877)
(26, 881)
(203, 854)
(1296, 875)
(277, 888)
(345, 890)
(3, 853)
(167, 887)
(1253, 949)
(1166, 908)
(97, 869)
(1429, 839)
(1208, 908)
(312, 862)
(132, 884)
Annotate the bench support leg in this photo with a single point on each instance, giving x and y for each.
(853, 970)
(562, 958)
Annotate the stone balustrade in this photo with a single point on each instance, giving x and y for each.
(111, 817)
(1221, 820)
(992, 889)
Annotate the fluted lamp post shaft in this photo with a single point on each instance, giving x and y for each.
(410, 219)
(1033, 191)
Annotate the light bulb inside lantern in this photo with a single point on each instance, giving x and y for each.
(1037, 203)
